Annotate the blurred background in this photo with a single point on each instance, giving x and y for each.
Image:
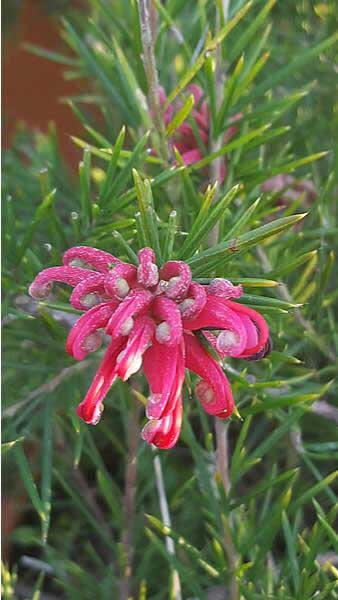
(26, 108)
(23, 104)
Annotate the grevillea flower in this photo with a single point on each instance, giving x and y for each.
(184, 138)
(160, 319)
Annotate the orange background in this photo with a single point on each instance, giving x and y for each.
(32, 86)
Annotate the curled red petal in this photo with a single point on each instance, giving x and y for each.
(87, 293)
(96, 318)
(147, 272)
(217, 314)
(194, 302)
(135, 303)
(258, 320)
(175, 279)
(119, 280)
(214, 391)
(167, 311)
(41, 286)
(98, 259)
(224, 288)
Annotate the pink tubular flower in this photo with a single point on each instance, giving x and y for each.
(159, 319)
(184, 138)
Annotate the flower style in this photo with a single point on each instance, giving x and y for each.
(184, 138)
(159, 319)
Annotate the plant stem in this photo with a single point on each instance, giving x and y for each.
(129, 502)
(222, 468)
(165, 514)
(216, 144)
(147, 22)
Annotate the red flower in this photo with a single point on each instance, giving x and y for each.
(184, 137)
(151, 316)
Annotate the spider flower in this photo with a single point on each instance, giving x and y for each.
(158, 319)
(184, 138)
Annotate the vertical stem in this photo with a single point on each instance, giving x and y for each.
(216, 165)
(222, 467)
(222, 453)
(147, 23)
(129, 503)
(165, 514)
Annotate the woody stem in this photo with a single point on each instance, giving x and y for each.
(147, 35)
(165, 514)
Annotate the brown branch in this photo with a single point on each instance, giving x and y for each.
(165, 514)
(222, 469)
(129, 501)
(47, 388)
(147, 24)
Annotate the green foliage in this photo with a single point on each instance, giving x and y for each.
(271, 532)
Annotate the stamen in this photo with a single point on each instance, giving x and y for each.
(227, 340)
(133, 366)
(120, 357)
(77, 262)
(172, 283)
(184, 306)
(92, 342)
(204, 392)
(90, 300)
(163, 332)
(39, 292)
(122, 287)
(127, 326)
(97, 415)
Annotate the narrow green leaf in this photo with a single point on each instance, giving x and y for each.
(42, 210)
(243, 40)
(180, 116)
(291, 548)
(170, 236)
(51, 55)
(46, 467)
(291, 265)
(224, 250)
(126, 247)
(279, 75)
(27, 478)
(241, 222)
(209, 47)
(84, 172)
(195, 237)
(314, 490)
(192, 550)
(237, 143)
(107, 184)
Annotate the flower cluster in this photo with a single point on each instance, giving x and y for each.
(184, 138)
(159, 319)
